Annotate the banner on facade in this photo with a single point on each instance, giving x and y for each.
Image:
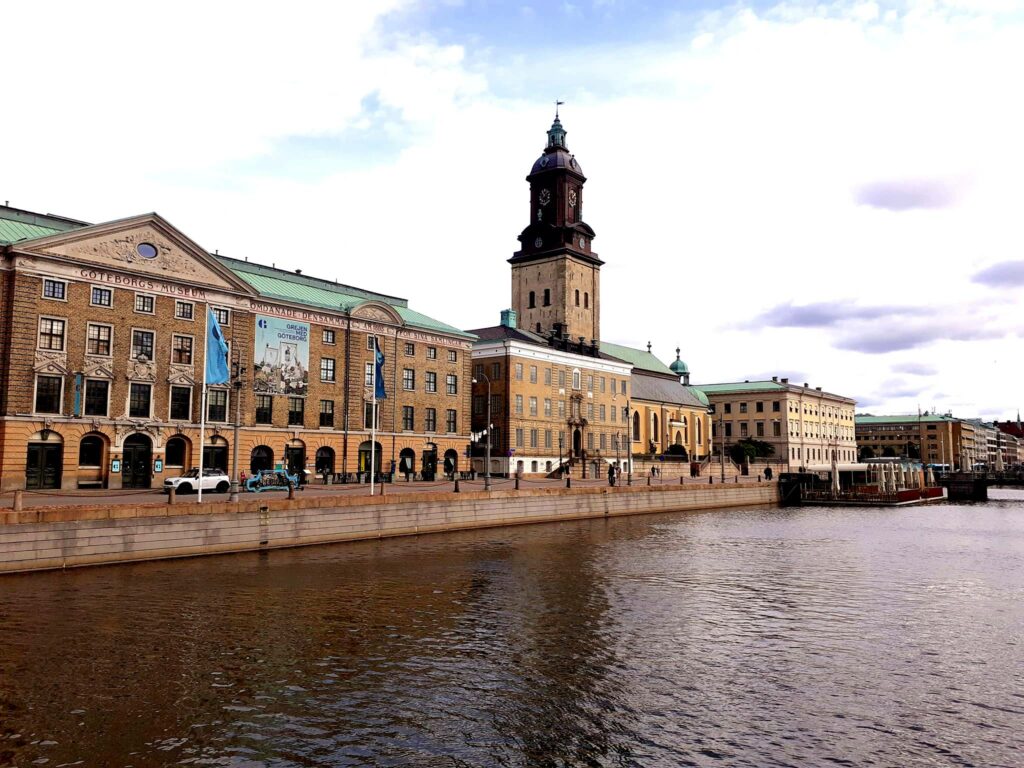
(282, 357)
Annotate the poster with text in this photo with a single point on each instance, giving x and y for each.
(282, 357)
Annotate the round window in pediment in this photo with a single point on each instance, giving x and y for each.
(146, 250)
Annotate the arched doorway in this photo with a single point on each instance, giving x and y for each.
(364, 456)
(262, 457)
(325, 461)
(407, 461)
(137, 462)
(44, 460)
(451, 461)
(295, 459)
(215, 455)
(176, 453)
(428, 461)
(577, 442)
(679, 438)
(92, 460)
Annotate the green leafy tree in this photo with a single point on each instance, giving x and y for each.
(743, 451)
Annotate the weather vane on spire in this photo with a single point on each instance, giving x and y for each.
(557, 105)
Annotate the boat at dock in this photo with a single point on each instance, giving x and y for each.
(889, 484)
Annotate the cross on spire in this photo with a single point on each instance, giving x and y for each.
(557, 105)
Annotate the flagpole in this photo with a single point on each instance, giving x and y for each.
(202, 400)
(373, 419)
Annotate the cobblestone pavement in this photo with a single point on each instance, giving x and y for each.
(157, 496)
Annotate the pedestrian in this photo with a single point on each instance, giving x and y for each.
(611, 475)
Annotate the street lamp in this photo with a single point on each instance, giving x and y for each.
(237, 383)
(487, 445)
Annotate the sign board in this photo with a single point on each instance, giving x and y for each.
(282, 357)
(158, 466)
(115, 466)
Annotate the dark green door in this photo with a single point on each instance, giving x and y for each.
(137, 462)
(42, 469)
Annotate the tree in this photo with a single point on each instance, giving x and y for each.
(741, 452)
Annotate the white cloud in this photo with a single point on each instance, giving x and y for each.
(724, 162)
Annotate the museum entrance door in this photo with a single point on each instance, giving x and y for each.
(137, 462)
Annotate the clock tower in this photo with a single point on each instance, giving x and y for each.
(556, 274)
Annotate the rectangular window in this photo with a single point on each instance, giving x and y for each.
(561, 409)
(328, 336)
(519, 437)
(547, 376)
(296, 411)
(776, 429)
(495, 404)
(759, 429)
(55, 289)
(181, 404)
(451, 421)
(430, 424)
(326, 413)
(264, 409)
(431, 382)
(478, 372)
(759, 407)
(533, 406)
(451, 384)
(410, 349)
(142, 344)
(101, 297)
(533, 438)
(48, 394)
(495, 371)
(601, 412)
(590, 411)
(181, 350)
(370, 342)
(453, 356)
(139, 399)
(615, 413)
(743, 429)
(98, 340)
(547, 406)
(623, 382)
(368, 374)
(561, 378)
(547, 438)
(369, 412)
(431, 353)
(533, 374)
(590, 383)
(479, 403)
(217, 405)
(97, 395)
(601, 384)
(743, 407)
(604, 441)
(408, 379)
(51, 334)
(775, 406)
(728, 407)
(519, 371)
(327, 369)
(184, 310)
(408, 417)
(728, 429)
(519, 404)
(576, 379)
(144, 303)
(223, 316)
(590, 441)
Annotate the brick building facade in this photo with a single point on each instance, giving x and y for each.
(103, 355)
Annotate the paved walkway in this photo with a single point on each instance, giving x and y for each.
(157, 496)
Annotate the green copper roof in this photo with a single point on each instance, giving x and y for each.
(278, 284)
(741, 386)
(678, 366)
(870, 421)
(17, 225)
(637, 357)
(695, 391)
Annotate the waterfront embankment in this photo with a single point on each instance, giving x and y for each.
(65, 537)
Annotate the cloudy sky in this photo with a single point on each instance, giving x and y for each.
(829, 191)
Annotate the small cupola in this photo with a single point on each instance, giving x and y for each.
(681, 369)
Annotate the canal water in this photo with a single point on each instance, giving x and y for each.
(761, 637)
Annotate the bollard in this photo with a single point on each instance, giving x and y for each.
(711, 480)
(18, 499)
(568, 481)
(457, 485)
(736, 479)
(680, 479)
(383, 489)
(517, 481)
(171, 495)
(759, 478)
(291, 491)
(648, 481)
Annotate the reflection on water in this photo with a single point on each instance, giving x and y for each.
(760, 637)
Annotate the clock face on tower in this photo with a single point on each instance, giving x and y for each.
(538, 242)
(572, 197)
(544, 197)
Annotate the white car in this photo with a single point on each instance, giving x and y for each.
(213, 480)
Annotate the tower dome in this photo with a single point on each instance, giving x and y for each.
(556, 153)
(678, 366)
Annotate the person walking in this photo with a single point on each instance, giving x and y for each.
(611, 475)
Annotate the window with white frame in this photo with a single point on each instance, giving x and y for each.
(140, 400)
(181, 350)
(142, 343)
(55, 289)
(49, 394)
(328, 336)
(97, 397)
(184, 310)
(327, 372)
(144, 303)
(97, 340)
(51, 333)
(223, 316)
(101, 297)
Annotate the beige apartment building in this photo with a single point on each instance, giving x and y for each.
(805, 425)
(931, 437)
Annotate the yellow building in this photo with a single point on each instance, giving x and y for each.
(931, 437)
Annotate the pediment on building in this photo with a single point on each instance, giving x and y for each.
(144, 245)
(98, 368)
(379, 311)
(55, 363)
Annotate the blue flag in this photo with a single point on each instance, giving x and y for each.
(216, 352)
(379, 377)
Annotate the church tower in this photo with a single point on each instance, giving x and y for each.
(556, 274)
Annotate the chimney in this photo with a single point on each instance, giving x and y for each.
(818, 388)
(806, 385)
(775, 379)
(785, 381)
(508, 318)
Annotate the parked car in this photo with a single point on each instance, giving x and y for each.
(213, 480)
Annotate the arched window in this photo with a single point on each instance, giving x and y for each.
(577, 298)
(324, 461)
(654, 428)
(90, 451)
(586, 301)
(262, 457)
(174, 453)
(686, 430)
(533, 300)
(697, 422)
(636, 426)
(547, 297)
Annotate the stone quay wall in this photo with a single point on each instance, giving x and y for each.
(64, 537)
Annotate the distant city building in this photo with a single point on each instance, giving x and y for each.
(934, 438)
(804, 425)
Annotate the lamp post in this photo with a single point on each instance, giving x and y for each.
(487, 445)
(560, 451)
(237, 383)
(629, 445)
